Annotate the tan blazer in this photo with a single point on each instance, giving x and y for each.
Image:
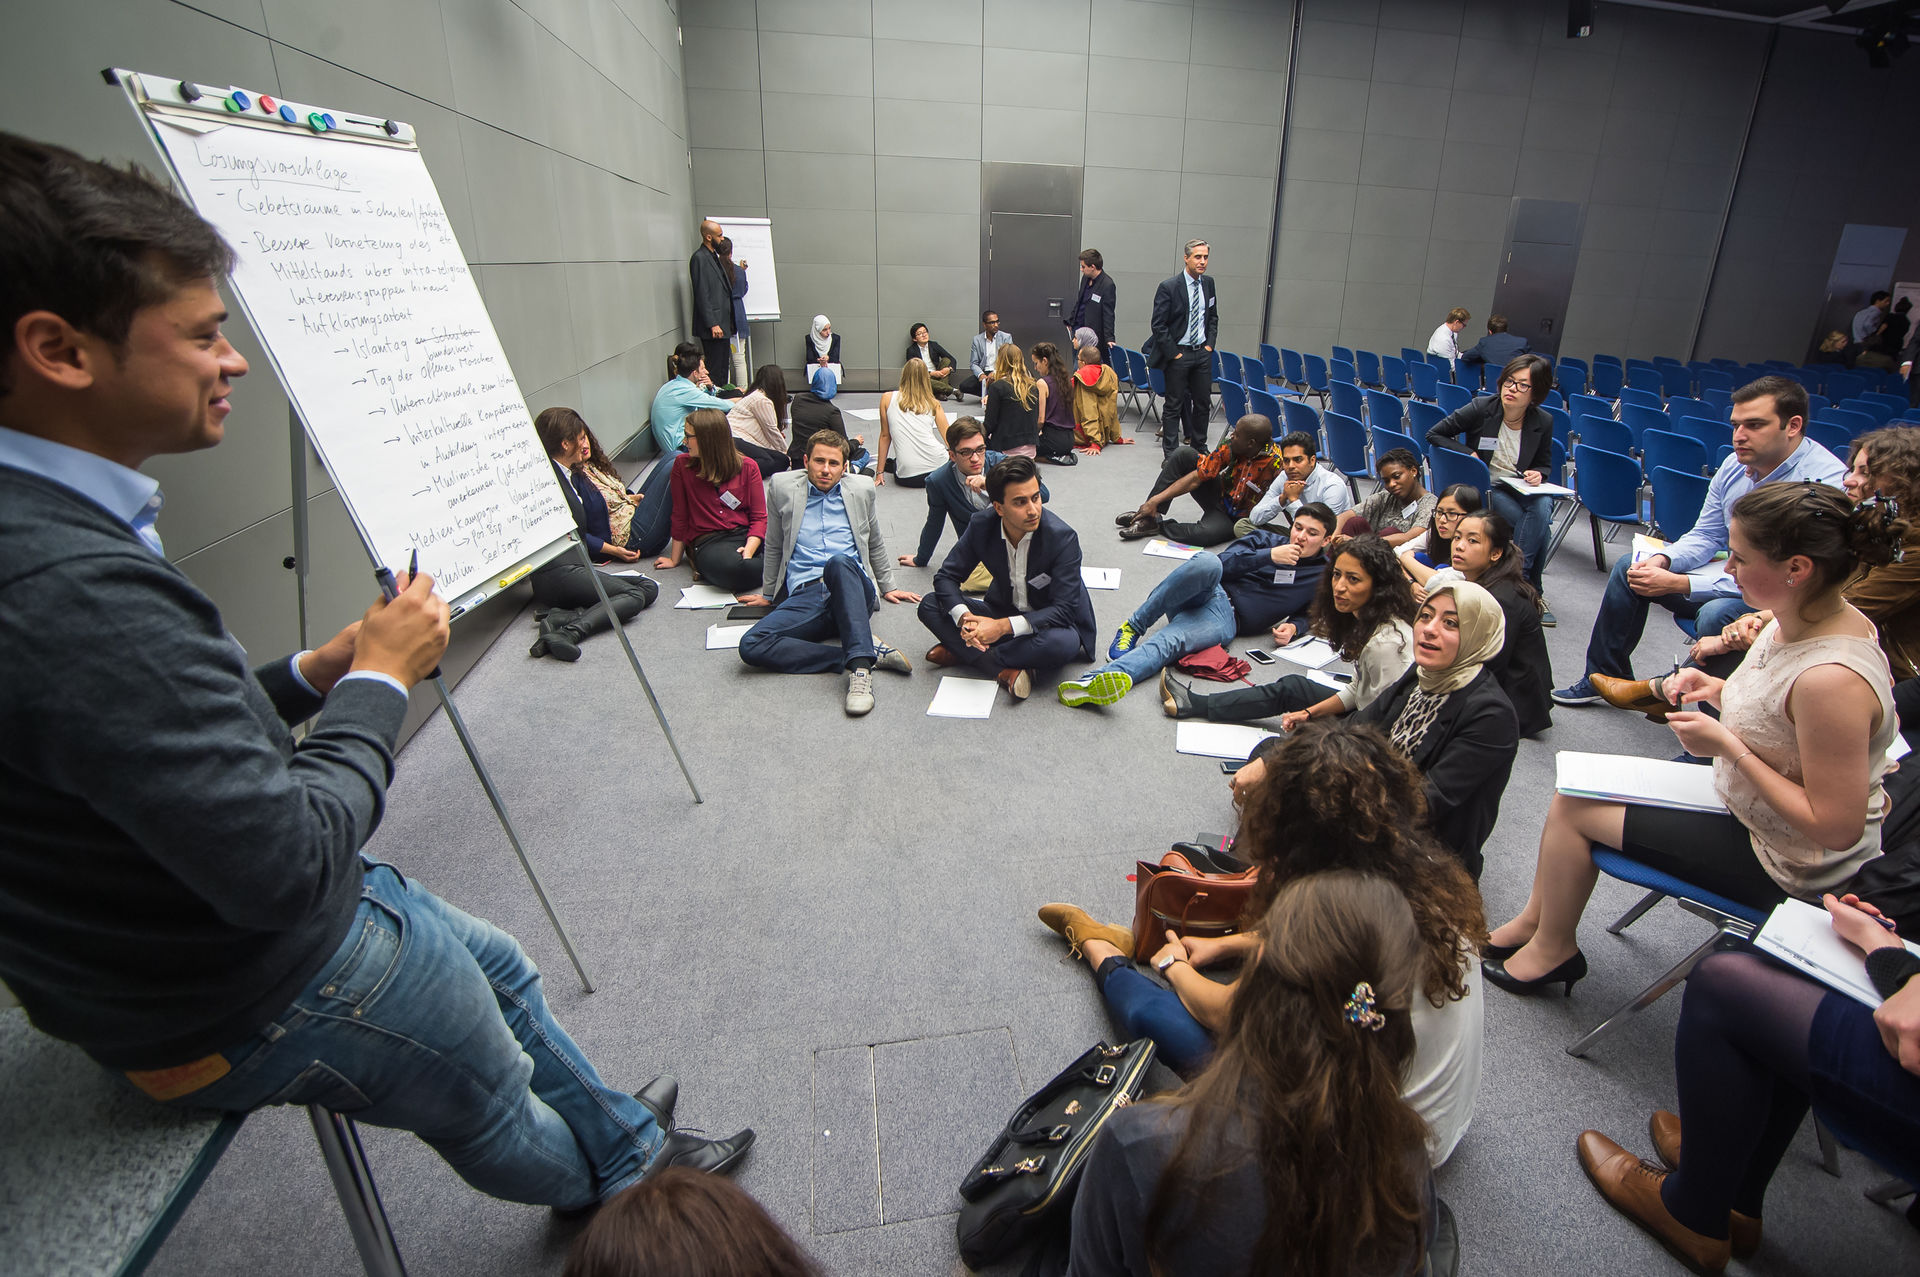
(787, 505)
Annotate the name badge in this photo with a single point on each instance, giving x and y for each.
(1093, 297)
(1211, 301)
(1283, 576)
(1487, 442)
(1040, 582)
(730, 501)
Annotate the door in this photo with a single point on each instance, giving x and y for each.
(1862, 266)
(1030, 246)
(1536, 272)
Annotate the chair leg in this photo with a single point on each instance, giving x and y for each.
(1634, 914)
(1889, 1191)
(359, 1196)
(1829, 1149)
(1647, 997)
(1599, 555)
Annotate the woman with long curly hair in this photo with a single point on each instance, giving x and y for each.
(1334, 797)
(1294, 1152)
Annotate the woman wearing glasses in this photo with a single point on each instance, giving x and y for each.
(1514, 435)
(1432, 549)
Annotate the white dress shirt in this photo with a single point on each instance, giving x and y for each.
(1017, 571)
(1446, 343)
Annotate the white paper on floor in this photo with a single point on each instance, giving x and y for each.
(1218, 740)
(1101, 578)
(1161, 548)
(865, 414)
(1324, 679)
(1309, 654)
(963, 697)
(719, 636)
(607, 571)
(701, 596)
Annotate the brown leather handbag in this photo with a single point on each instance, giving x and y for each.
(1175, 896)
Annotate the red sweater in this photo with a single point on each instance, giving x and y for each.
(698, 509)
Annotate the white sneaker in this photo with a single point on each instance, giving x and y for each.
(859, 692)
(890, 658)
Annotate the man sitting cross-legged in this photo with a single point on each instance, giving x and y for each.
(1036, 613)
(823, 557)
(1260, 582)
(1227, 483)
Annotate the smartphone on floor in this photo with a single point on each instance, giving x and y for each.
(1232, 765)
(1259, 657)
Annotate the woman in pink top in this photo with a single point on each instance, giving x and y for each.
(719, 507)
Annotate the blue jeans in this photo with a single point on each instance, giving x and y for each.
(1142, 1009)
(432, 1021)
(792, 639)
(1623, 618)
(1198, 614)
(1531, 518)
(652, 518)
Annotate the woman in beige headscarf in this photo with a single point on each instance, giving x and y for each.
(1449, 715)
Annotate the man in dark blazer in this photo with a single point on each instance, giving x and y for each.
(712, 298)
(1036, 613)
(1094, 308)
(1497, 347)
(958, 490)
(1186, 319)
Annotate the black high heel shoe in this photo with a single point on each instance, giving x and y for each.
(1499, 952)
(1567, 973)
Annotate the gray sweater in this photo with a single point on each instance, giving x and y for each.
(173, 868)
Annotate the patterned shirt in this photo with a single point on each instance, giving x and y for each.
(1242, 483)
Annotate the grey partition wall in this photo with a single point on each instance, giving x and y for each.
(555, 134)
(860, 129)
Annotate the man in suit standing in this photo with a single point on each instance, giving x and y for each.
(1094, 308)
(1036, 613)
(958, 490)
(823, 558)
(1186, 319)
(712, 297)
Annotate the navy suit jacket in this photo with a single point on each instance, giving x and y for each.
(947, 500)
(1495, 349)
(1170, 318)
(1056, 594)
(1094, 308)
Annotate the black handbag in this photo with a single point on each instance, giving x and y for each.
(1030, 1172)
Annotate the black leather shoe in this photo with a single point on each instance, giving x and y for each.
(659, 1096)
(1499, 952)
(698, 1153)
(1144, 526)
(1568, 973)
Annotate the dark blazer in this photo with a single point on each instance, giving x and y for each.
(1466, 757)
(1056, 594)
(1170, 318)
(810, 414)
(941, 359)
(1523, 668)
(588, 507)
(1094, 308)
(809, 360)
(712, 299)
(1495, 349)
(1480, 423)
(739, 298)
(947, 500)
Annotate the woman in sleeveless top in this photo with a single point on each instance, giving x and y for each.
(1056, 418)
(1798, 751)
(913, 429)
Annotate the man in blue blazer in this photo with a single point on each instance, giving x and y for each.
(1036, 613)
(958, 490)
(1186, 319)
(1497, 347)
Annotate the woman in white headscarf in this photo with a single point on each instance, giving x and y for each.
(1449, 715)
(823, 346)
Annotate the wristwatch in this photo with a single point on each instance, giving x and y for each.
(1168, 961)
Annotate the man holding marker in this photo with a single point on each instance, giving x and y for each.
(182, 892)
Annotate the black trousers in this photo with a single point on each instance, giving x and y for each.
(719, 357)
(717, 560)
(1189, 399)
(1268, 700)
(565, 586)
(769, 461)
(1215, 523)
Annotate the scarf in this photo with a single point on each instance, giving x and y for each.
(822, 344)
(1483, 632)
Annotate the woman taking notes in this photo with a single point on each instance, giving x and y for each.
(719, 507)
(1798, 751)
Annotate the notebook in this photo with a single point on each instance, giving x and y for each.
(1802, 936)
(1645, 782)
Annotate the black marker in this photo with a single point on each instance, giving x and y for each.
(391, 588)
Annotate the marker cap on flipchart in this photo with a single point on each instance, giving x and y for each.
(268, 105)
(288, 114)
(189, 91)
(317, 122)
(238, 100)
(392, 127)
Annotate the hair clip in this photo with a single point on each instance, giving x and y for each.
(1360, 1008)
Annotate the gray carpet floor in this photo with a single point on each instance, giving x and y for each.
(839, 948)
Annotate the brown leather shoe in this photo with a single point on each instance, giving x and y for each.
(1019, 683)
(1077, 925)
(1144, 526)
(939, 655)
(1637, 694)
(1633, 1187)
(1743, 1230)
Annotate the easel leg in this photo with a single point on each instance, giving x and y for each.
(359, 1197)
(506, 823)
(633, 658)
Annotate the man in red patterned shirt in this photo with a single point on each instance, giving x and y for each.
(1226, 483)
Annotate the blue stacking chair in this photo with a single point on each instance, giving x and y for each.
(1590, 406)
(1413, 356)
(1608, 378)
(1347, 449)
(1385, 441)
(1293, 369)
(1299, 416)
(1233, 398)
(1319, 380)
(1157, 380)
(1266, 404)
(1722, 400)
(1730, 919)
(1129, 396)
(1871, 405)
(1342, 353)
(1677, 498)
(1854, 423)
(1449, 467)
(1639, 420)
(1675, 379)
(1844, 385)
(1674, 451)
(1644, 376)
(1559, 472)
(1272, 360)
(1562, 424)
(1570, 375)
(1645, 398)
(1554, 399)
(1342, 370)
(1422, 417)
(1393, 374)
(1894, 404)
(1605, 433)
(1346, 398)
(1226, 367)
(1143, 381)
(1384, 409)
(1833, 438)
(1679, 404)
(1452, 398)
(1442, 366)
(1424, 381)
(1367, 365)
(1608, 484)
(1715, 379)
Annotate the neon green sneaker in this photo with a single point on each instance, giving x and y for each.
(1124, 640)
(1106, 687)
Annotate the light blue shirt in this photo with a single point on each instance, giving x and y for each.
(1731, 482)
(1196, 312)
(824, 532)
(1323, 485)
(671, 404)
(127, 495)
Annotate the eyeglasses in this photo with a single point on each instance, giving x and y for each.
(970, 452)
(1516, 383)
(1449, 515)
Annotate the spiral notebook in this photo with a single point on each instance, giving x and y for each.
(1802, 936)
